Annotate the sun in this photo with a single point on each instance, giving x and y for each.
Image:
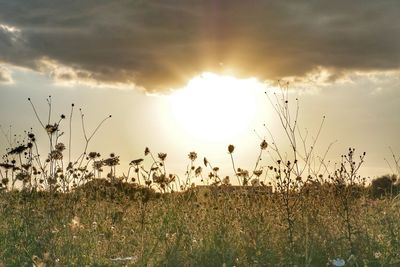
(215, 108)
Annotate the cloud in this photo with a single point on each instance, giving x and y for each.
(5, 75)
(162, 44)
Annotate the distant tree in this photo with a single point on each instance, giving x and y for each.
(385, 186)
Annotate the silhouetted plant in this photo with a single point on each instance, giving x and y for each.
(385, 186)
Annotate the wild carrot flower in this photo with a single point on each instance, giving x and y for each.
(51, 129)
(17, 150)
(264, 145)
(55, 155)
(22, 176)
(60, 147)
(136, 162)
(258, 173)
(112, 161)
(93, 155)
(162, 156)
(192, 156)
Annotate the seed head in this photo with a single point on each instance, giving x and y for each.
(231, 148)
(192, 156)
(264, 145)
(162, 156)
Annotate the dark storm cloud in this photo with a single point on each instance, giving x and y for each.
(158, 44)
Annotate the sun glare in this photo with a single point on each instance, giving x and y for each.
(214, 108)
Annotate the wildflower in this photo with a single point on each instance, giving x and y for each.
(226, 180)
(50, 129)
(377, 255)
(136, 162)
(93, 155)
(242, 172)
(55, 155)
(192, 156)
(159, 178)
(112, 161)
(38, 262)
(264, 145)
(338, 262)
(146, 151)
(258, 173)
(215, 169)
(98, 164)
(231, 148)
(198, 170)
(22, 176)
(6, 166)
(60, 147)
(162, 156)
(205, 161)
(75, 223)
(17, 150)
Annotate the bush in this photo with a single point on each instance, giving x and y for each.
(385, 186)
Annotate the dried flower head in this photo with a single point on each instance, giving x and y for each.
(258, 172)
(136, 162)
(55, 155)
(255, 182)
(51, 129)
(198, 170)
(226, 180)
(93, 155)
(162, 156)
(263, 145)
(60, 147)
(112, 161)
(17, 150)
(192, 156)
(231, 148)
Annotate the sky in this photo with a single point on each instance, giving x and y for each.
(133, 59)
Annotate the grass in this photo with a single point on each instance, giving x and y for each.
(101, 225)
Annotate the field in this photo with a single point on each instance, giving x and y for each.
(297, 211)
(105, 224)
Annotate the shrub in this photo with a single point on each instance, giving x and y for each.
(385, 186)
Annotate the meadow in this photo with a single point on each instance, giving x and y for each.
(296, 211)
